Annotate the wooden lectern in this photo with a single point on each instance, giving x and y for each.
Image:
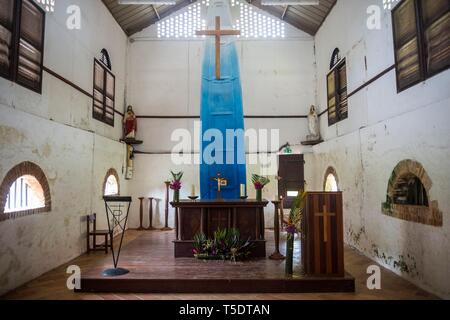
(323, 245)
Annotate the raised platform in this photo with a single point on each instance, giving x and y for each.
(153, 269)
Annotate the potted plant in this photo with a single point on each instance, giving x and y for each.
(294, 225)
(225, 245)
(175, 185)
(259, 182)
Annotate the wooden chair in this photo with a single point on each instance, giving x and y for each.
(92, 219)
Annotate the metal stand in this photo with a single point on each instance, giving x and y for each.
(166, 223)
(116, 218)
(276, 255)
(150, 214)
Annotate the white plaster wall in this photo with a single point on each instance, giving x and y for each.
(278, 78)
(383, 128)
(56, 131)
(153, 170)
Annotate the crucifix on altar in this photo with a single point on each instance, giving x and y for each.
(217, 32)
(221, 182)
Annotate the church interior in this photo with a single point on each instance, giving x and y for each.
(224, 149)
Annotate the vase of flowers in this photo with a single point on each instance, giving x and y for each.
(290, 253)
(294, 226)
(175, 185)
(259, 183)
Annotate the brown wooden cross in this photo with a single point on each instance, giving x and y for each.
(325, 214)
(218, 33)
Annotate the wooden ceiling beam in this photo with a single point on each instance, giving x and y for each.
(284, 12)
(156, 12)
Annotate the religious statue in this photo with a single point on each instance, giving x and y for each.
(130, 125)
(313, 125)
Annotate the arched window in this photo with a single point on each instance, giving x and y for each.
(409, 190)
(105, 59)
(111, 185)
(408, 195)
(24, 191)
(335, 57)
(330, 181)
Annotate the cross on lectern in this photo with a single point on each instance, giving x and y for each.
(218, 33)
(325, 214)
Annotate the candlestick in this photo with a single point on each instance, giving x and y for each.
(150, 214)
(276, 255)
(243, 193)
(166, 216)
(141, 213)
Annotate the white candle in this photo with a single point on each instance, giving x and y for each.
(243, 190)
(193, 190)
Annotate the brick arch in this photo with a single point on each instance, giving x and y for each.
(330, 170)
(111, 172)
(24, 169)
(430, 215)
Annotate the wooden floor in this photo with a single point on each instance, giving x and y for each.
(53, 284)
(154, 269)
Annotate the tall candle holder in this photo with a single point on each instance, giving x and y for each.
(166, 216)
(150, 214)
(276, 255)
(141, 213)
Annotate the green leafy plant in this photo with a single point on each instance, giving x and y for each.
(225, 245)
(294, 224)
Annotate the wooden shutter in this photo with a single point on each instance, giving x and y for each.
(109, 99)
(332, 100)
(104, 94)
(436, 28)
(406, 43)
(337, 93)
(99, 96)
(342, 91)
(6, 36)
(31, 45)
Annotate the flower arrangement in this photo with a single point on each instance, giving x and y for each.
(259, 182)
(175, 185)
(226, 245)
(294, 225)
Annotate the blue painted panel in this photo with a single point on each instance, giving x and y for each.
(221, 109)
